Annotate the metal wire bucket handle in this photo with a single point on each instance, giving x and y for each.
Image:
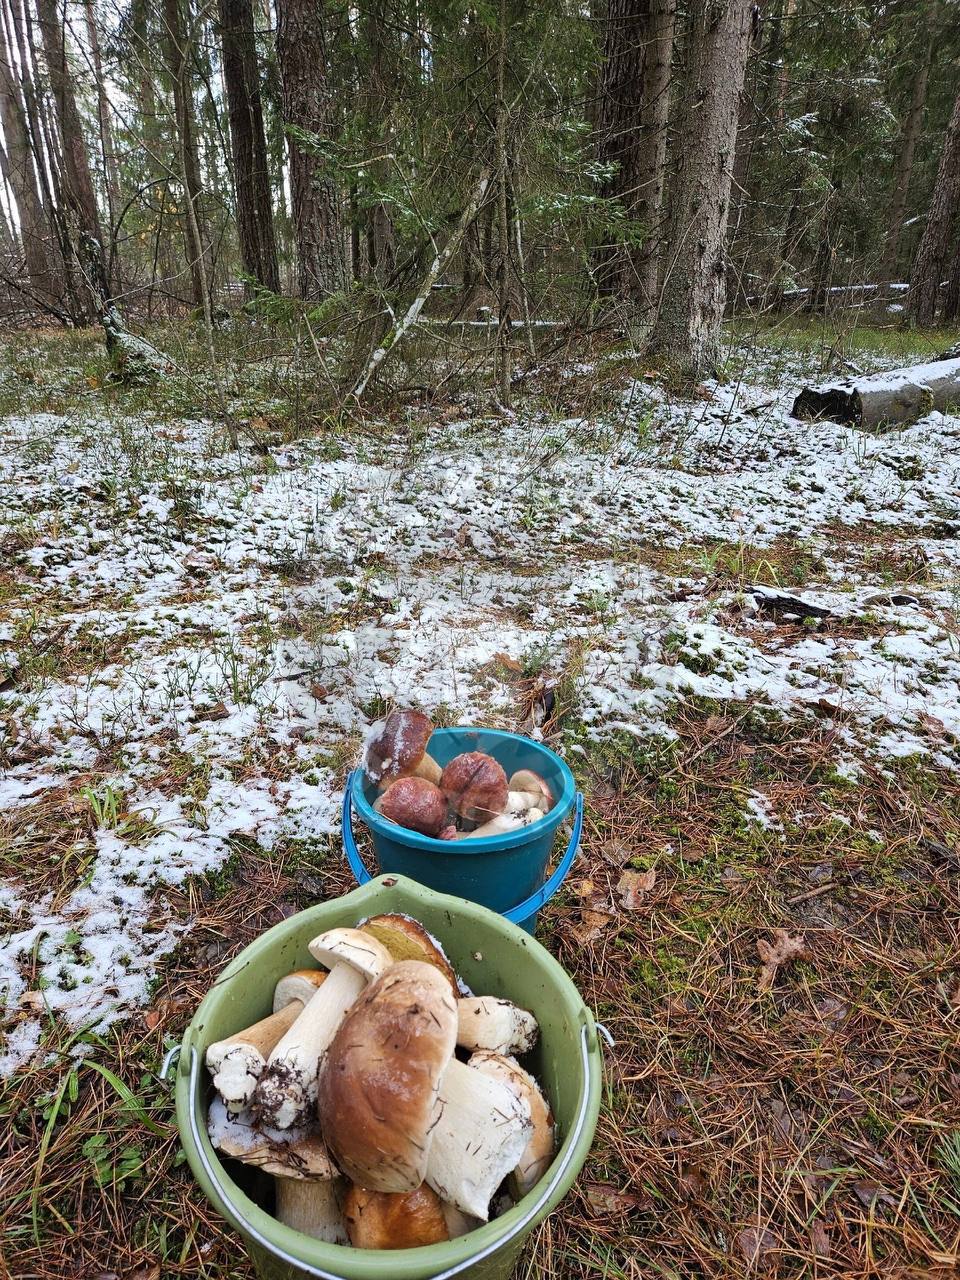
(516, 914)
(236, 1220)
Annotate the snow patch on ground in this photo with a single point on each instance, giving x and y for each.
(225, 626)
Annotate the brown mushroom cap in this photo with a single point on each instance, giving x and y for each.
(397, 747)
(415, 803)
(475, 785)
(378, 1093)
(376, 1220)
(407, 939)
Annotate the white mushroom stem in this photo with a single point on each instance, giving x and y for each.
(483, 1022)
(237, 1062)
(517, 801)
(458, 1224)
(311, 1207)
(478, 1140)
(511, 820)
(287, 1088)
(538, 1153)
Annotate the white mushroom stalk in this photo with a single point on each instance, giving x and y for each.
(237, 1062)
(484, 1022)
(312, 1207)
(480, 1137)
(287, 1088)
(511, 820)
(538, 1152)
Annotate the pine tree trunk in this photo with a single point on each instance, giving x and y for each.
(932, 260)
(22, 177)
(178, 62)
(111, 177)
(912, 128)
(379, 86)
(687, 330)
(251, 173)
(317, 214)
(76, 176)
(951, 300)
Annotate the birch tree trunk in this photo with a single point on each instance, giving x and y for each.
(307, 105)
(687, 329)
(251, 174)
(932, 261)
(912, 128)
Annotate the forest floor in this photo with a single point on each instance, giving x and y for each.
(764, 913)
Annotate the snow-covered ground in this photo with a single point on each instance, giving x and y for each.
(228, 627)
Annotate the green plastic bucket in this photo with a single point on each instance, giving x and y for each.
(493, 957)
(506, 873)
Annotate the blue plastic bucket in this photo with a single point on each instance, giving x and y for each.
(506, 873)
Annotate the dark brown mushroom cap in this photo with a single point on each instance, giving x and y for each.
(475, 785)
(378, 1097)
(376, 1220)
(399, 746)
(415, 803)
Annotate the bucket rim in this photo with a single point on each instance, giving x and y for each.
(324, 1261)
(544, 826)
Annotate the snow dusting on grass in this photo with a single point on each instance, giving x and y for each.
(192, 643)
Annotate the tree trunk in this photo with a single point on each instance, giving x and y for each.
(34, 230)
(380, 85)
(178, 59)
(912, 128)
(631, 121)
(931, 262)
(655, 111)
(77, 178)
(251, 173)
(951, 300)
(504, 275)
(687, 330)
(111, 177)
(618, 133)
(307, 106)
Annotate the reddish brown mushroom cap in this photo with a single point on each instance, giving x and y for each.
(475, 785)
(415, 803)
(397, 748)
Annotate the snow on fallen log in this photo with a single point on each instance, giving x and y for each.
(897, 396)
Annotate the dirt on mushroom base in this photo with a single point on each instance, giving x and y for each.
(826, 1105)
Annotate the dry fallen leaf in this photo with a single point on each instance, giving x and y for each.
(633, 886)
(784, 948)
(145, 1273)
(585, 889)
(616, 851)
(753, 1243)
(819, 1239)
(510, 664)
(605, 1200)
(592, 924)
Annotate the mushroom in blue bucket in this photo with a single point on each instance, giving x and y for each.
(397, 748)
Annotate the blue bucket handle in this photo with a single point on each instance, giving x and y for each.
(515, 914)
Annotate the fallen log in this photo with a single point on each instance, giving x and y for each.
(898, 396)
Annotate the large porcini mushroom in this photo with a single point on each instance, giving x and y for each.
(416, 804)
(287, 1086)
(499, 1026)
(502, 823)
(397, 748)
(404, 1220)
(237, 1062)
(539, 1150)
(479, 1139)
(396, 1107)
(305, 1177)
(475, 785)
(407, 939)
(378, 1097)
